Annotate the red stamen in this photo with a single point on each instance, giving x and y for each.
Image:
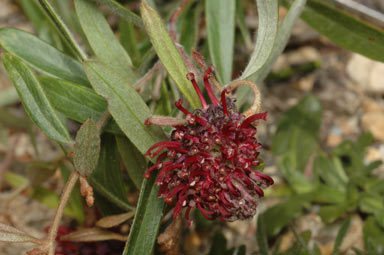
(248, 121)
(179, 106)
(191, 77)
(208, 87)
(203, 210)
(147, 173)
(224, 101)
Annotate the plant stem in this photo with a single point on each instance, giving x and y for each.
(60, 210)
(64, 31)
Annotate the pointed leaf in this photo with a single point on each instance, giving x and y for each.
(114, 220)
(11, 234)
(220, 18)
(134, 161)
(107, 178)
(76, 102)
(261, 235)
(345, 29)
(102, 40)
(266, 33)
(341, 235)
(122, 11)
(92, 235)
(281, 40)
(146, 223)
(125, 105)
(42, 56)
(219, 244)
(34, 99)
(167, 52)
(87, 148)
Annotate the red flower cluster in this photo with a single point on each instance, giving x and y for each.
(210, 161)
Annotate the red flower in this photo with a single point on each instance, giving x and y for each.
(210, 161)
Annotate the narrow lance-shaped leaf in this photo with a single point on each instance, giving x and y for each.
(220, 16)
(262, 239)
(102, 40)
(41, 56)
(123, 12)
(281, 40)
(87, 148)
(34, 99)
(341, 235)
(134, 161)
(344, 29)
(146, 224)
(167, 52)
(107, 178)
(92, 235)
(125, 105)
(11, 234)
(266, 34)
(76, 102)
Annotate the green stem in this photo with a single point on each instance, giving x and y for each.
(63, 29)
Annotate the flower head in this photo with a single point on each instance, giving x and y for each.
(210, 162)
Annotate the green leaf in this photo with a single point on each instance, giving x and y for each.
(128, 40)
(123, 12)
(373, 236)
(190, 19)
(107, 177)
(296, 134)
(102, 40)
(266, 34)
(76, 102)
(239, 251)
(125, 105)
(344, 29)
(327, 170)
(41, 56)
(329, 195)
(34, 13)
(146, 223)
(371, 203)
(134, 161)
(87, 148)
(296, 179)
(167, 52)
(261, 235)
(219, 244)
(240, 20)
(220, 18)
(280, 215)
(341, 235)
(34, 100)
(330, 213)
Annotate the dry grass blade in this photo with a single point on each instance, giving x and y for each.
(114, 220)
(92, 235)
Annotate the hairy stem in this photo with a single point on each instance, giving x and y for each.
(64, 31)
(60, 210)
